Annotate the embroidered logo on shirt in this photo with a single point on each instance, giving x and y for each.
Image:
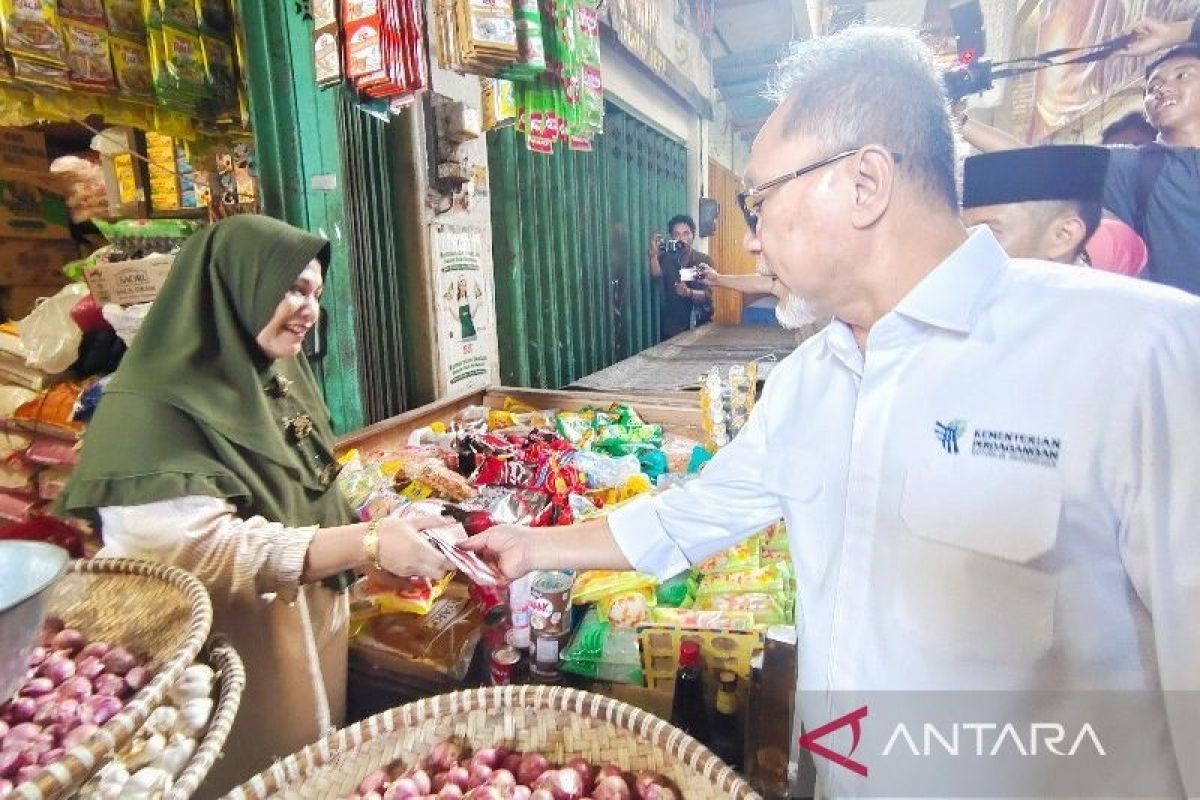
(948, 433)
(1009, 446)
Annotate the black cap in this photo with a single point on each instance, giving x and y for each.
(1053, 172)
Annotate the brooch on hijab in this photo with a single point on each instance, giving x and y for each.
(300, 426)
(278, 386)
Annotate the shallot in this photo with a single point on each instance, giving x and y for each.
(68, 639)
(531, 768)
(137, 678)
(100, 708)
(37, 687)
(90, 667)
(109, 684)
(118, 661)
(611, 787)
(496, 773)
(76, 688)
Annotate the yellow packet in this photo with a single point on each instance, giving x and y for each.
(179, 12)
(768, 579)
(184, 63)
(88, 57)
(36, 73)
(499, 420)
(125, 19)
(703, 619)
(627, 609)
(89, 11)
(413, 596)
(595, 585)
(32, 29)
(131, 64)
(767, 609)
(741, 557)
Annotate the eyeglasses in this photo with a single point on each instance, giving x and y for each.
(744, 198)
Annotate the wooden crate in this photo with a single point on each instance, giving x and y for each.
(677, 412)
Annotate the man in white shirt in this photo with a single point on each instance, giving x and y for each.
(989, 468)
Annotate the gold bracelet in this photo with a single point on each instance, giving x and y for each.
(371, 544)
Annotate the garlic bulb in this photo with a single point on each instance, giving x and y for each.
(196, 681)
(150, 783)
(162, 720)
(178, 753)
(109, 782)
(194, 715)
(144, 751)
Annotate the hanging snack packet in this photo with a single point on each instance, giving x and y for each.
(32, 29)
(88, 57)
(125, 19)
(221, 76)
(215, 17)
(131, 67)
(181, 13)
(37, 73)
(89, 11)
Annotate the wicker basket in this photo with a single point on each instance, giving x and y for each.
(231, 678)
(558, 722)
(156, 610)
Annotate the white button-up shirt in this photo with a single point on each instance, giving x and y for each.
(1002, 493)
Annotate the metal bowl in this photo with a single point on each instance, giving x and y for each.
(27, 572)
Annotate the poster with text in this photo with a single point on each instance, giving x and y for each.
(464, 308)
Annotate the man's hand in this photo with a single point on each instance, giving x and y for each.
(682, 290)
(655, 242)
(509, 547)
(1152, 35)
(709, 276)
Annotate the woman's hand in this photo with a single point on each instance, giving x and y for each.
(404, 550)
(509, 547)
(682, 290)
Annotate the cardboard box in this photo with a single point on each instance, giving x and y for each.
(20, 300)
(128, 282)
(26, 262)
(24, 150)
(30, 211)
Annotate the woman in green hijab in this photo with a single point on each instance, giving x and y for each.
(212, 450)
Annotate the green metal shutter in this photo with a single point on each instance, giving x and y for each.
(296, 139)
(570, 231)
(369, 147)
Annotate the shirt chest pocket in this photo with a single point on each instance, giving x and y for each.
(973, 579)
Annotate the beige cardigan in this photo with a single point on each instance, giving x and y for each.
(292, 638)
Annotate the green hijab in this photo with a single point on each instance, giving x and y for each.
(196, 408)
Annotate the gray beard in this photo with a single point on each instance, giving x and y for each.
(794, 312)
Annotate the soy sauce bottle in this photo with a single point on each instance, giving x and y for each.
(688, 711)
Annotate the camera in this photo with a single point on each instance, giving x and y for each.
(666, 245)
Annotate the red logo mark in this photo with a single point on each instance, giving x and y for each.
(809, 740)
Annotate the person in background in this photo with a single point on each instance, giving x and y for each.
(1132, 129)
(212, 450)
(686, 302)
(1154, 188)
(986, 465)
(1040, 202)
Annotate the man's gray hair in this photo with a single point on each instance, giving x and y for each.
(869, 85)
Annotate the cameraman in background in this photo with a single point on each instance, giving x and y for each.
(686, 299)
